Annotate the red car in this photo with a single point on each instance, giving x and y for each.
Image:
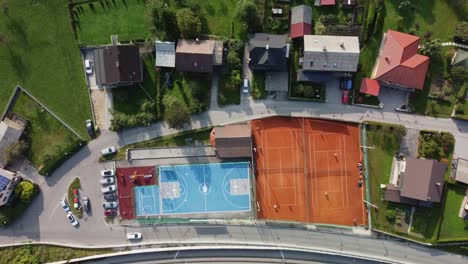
(345, 97)
(110, 213)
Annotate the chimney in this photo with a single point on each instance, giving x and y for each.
(387, 58)
(341, 44)
(428, 198)
(267, 47)
(324, 48)
(197, 40)
(437, 183)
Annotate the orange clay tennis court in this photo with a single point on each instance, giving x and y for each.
(307, 171)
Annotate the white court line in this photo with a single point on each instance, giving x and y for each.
(343, 171)
(315, 173)
(346, 178)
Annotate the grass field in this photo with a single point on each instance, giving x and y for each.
(129, 99)
(45, 134)
(39, 52)
(99, 20)
(182, 89)
(453, 227)
(219, 15)
(43, 254)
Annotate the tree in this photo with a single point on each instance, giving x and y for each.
(320, 28)
(458, 74)
(405, 5)
(234, 60)
(188, 23)
(248, 14)
(176, 115)
(430, 47)
(25, 191)
(15, 151)
(461, 30)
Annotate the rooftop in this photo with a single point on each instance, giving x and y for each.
(118, 64)
(165, 54)
(462, 171)
(195, 46)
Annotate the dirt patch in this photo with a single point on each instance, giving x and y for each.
(102, 102)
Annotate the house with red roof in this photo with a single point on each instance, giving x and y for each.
(325, 2)
(301, 21)
(399, 64)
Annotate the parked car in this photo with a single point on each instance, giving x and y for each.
(108, 151)
(76, 199)
(72, 219)
(90, 128)
(110, 197)
(107, 180)
(88, 66)
(108, 189)
(109, 205)
(110, 212)
(107, 173)
(64, 205)
(349, 84)
(345, 97)
(245, 88)
(86, 204)
(134, 236)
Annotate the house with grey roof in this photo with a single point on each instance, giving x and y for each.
(420, 183)
(165, 54)
(10, 133)
(117, 65)
(460, 58)
(269, 53)
(198, 55)
(328, 55)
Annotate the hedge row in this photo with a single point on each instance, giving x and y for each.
(61, 157)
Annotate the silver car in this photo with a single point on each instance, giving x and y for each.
(108, 189)
(64, 205)
(109, 205)
(107, 180)
(72, 219)
(108, 151)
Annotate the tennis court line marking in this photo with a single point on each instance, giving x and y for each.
(343, 173)
(346, 176)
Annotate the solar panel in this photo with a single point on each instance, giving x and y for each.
(3, 182)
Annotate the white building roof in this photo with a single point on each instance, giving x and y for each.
(165, 54)
(331, 53)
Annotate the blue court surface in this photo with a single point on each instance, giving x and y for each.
(200, 188)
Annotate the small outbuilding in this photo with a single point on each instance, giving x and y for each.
(369, 86)
(232, 141)
(301, 21)
(461, 174)
(165, 54)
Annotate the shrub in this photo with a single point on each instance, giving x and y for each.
(188, 23)
(390, 215)
(248, 14)
(461, 29)
(176, 115)
(458, 74)
(25, 191)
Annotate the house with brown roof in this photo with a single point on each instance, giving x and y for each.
(232, 141)
(198, 55)
(301, 21)
(118, 65)
(10, 133)
(420, 183)
(399, 64)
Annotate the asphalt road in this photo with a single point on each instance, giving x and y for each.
(45, 221)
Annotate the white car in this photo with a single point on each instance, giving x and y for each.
(88, 66)
(245, 88)
(107, 173)
(107, 180)
(134, 236)
(108, 151)
(72, 219)
(64, 205)
(109, 205)
(108, 189)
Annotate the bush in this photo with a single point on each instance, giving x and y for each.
(459, 75)
(53, 162)
(188, 23)
(247, 13)
(176, 115)
(461, 29)
(390, 215)
(25, 191)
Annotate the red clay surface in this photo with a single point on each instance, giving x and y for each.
(308, 175)
(125, 187)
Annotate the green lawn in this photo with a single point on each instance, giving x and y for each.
(380, 162)
(129, 99)
(99, 20)
(186, 87)
(43, 253)
(179, 139)
(227, 95)
(47, 136)
(453, 227)
(219, 15)
(39, 52)
(258, 85)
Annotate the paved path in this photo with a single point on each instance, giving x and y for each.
(214, 91)
(178, 152)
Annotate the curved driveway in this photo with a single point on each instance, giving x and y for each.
(46, 221)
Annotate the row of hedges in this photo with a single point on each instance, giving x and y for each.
(398, 130)
(24, 193)
(54, 162)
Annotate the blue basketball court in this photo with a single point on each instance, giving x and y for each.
(200, 188)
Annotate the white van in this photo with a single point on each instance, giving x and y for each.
(88, 66)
